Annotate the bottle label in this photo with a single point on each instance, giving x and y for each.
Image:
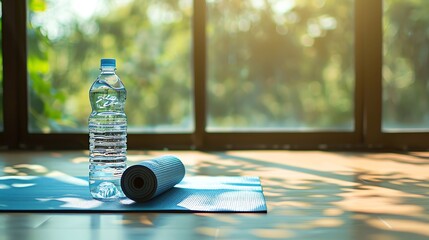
(107, 101)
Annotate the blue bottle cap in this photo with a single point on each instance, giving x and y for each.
(108, 62)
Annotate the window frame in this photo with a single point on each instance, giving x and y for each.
(367, 133)
(373, 82)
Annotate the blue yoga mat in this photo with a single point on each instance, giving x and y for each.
(71, 194)
(148, 179)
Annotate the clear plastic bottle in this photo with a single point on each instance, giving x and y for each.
(107, 134)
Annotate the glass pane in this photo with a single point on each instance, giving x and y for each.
(280, 65)
(151, 42)
(405, 66)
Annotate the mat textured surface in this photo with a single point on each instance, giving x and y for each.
(71, 194)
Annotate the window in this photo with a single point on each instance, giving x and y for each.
(221, 73)
(151, 41)
(405, 66)
(278, 65)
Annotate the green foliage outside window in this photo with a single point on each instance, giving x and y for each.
(271, 64)
(283, 65)
(151, 42)
(406, 65)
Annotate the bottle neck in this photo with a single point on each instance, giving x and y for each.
(108, 69)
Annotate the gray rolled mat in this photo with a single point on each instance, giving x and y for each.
(148, 179)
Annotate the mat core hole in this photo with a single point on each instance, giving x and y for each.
(138, 182)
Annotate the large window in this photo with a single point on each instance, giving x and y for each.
(280, 74)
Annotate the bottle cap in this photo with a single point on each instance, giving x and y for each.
(108, 62)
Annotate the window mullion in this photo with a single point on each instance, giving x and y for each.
(199, 71)
(13, 30)
(371, 12)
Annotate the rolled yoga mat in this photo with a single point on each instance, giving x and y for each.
(148, 179)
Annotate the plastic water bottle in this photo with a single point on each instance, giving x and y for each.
(107, 134)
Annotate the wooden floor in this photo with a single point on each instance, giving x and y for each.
(310, 195)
